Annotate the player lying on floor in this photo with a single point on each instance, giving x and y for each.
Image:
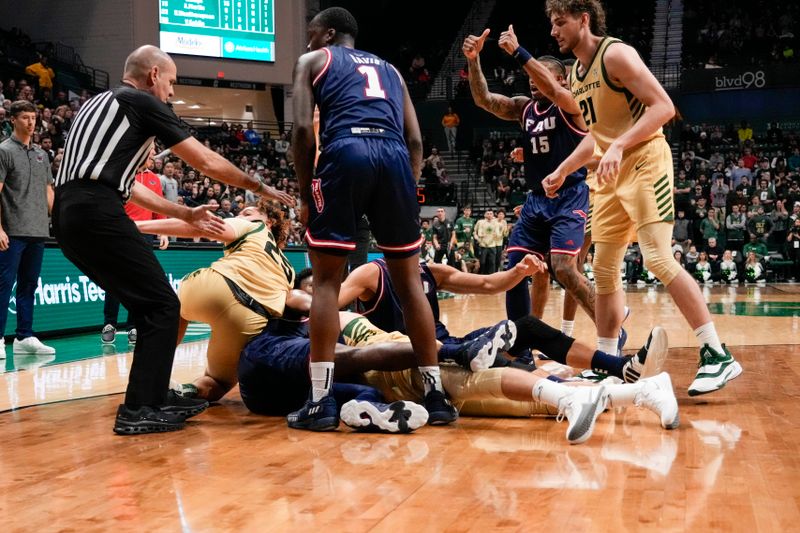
(371, 288)
(273, 380)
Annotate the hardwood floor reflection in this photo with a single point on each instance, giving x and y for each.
(731, 466)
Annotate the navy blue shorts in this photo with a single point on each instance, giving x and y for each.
(274, 380)
(552, 225)
(364, 175)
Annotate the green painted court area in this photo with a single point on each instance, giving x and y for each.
(791, 309)
(84, 346)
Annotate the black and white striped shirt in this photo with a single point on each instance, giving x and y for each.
(111, 136)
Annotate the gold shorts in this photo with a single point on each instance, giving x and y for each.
(641, 195)
(206, 297)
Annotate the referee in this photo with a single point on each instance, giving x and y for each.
(109, 140)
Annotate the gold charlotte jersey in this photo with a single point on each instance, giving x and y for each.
(608, 110)
(255, 263)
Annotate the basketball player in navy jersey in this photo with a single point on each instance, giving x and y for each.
(546, 226)
(370, 160)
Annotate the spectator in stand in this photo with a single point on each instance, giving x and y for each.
(251, 135)
(225, 210)
(690, 259)
(466, 261)
(46, 144)
(760, 225)
(738, 171)
(765, 192)
(682, 191)
(736, 225)
(434, 159)
(282, 146)
(719, 194)
(463, 230)
(748, 158)
(745, 133)
(26, 198)
(780, 223)
(485, 230)
(710, 225)
(756, 246)
(793, 248)
(6, 127)
(793, 163)
(450, 122)
(169, 185)
(682, 230)
(44, 73)
(442, 229)
(793, 194)
(714, 253)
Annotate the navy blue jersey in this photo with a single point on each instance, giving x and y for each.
(384, 309)
(550, 137)
(281, 327)
(358, 93)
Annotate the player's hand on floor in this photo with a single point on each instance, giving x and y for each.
(474, 44)
(608, 169)
(508, 40)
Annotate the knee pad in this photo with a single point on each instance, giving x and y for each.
(654, 242)
(606, 267)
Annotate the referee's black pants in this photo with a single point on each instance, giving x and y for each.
(94, 233)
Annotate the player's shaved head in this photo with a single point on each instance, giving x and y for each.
(143, 59)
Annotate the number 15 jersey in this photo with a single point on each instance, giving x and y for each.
(358, 94)
(550, 137)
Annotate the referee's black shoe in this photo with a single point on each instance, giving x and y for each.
(183, 405)
(146, 419)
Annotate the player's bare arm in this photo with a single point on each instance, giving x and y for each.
(626, 69)
(201, 217)
(581, 156)
(361, 283)
(541, 75)
(304, 144)
(411, 132)
(179, 228)
(499, 105)
(450, 279)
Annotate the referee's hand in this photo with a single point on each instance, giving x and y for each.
(203, 218)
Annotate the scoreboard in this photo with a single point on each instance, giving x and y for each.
(230, 29)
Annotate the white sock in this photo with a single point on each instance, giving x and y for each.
(321, 379)
(608, 345)
(431, 378)
(707, 334)
(623, 394)
(567, 327)
(549, 392)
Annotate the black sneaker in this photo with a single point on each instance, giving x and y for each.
(316, 416)
(440, 410)
(146, 419)
(108, 334)
(182, 405)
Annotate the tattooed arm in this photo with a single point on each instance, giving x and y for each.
(497, 104)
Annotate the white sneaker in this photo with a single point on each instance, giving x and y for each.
(656, 394)
(581, 407)
(714, 371)
(396, 417)
(2, 348)
(32, 345)
(649, 360)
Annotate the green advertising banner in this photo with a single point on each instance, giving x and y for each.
(67, 300)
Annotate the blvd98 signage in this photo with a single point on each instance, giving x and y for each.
(739, 79)
(65, 299)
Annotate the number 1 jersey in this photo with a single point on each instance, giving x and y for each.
(358, 94)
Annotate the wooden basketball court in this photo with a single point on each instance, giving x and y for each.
(731, 466)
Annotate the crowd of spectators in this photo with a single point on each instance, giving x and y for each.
(739, 33)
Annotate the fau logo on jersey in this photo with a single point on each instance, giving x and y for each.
(537, 126)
